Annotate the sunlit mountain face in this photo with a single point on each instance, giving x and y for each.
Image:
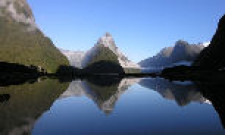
(22, 42)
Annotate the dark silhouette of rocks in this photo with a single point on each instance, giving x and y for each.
(104, 67)
(213, 56)
(214, 92)
(12, 73)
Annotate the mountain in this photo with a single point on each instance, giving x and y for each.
(22, 42)
(213, 56)
(182, 53)
(75, 57)
(106, 50)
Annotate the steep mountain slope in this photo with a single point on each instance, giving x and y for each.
(22, 42)
(75, 57)
(105, 50)
(213, 56)
(181, 53)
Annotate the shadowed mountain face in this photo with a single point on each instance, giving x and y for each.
(182, 92)
(213, 57)
(22, 105)
(104, 91)
(181, 53)
(22, 42)
(104, 67)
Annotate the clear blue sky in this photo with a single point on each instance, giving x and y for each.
(140, 27)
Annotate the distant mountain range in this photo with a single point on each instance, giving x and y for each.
(182, 53)
(22, 42)
(105, 50)
(75, 57)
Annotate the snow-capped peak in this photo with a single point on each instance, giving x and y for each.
(108, 41)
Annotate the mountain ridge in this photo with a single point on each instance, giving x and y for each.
(181, 52)
(105, 49)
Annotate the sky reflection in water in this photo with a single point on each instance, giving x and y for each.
(130, 106)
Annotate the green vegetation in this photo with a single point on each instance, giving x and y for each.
(19, 45)
(132, 70)
(103, 54)
(22, 105)
(104, 67)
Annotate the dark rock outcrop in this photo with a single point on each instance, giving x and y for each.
(12, 73)
(213, 57)
(104, 67)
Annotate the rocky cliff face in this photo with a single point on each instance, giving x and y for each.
(182, 53)
(213, 56)
(22, 42)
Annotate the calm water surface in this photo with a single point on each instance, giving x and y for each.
(107, 106)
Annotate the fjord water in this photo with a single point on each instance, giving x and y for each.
(107, 106)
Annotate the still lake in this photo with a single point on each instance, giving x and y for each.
(107, 106)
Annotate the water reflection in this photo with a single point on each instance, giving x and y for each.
(21, 105)
(182, 92)
(130, 106)
(214, 91)
(103, 91)
(186, 92)
(50, 107)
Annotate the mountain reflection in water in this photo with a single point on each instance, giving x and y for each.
(104, 92)
(50, 107)
(182, 92)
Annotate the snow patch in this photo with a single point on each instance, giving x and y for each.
(206, 44)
